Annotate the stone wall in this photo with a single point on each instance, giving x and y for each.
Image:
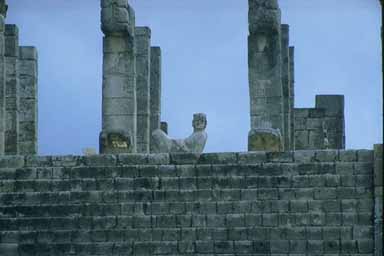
(313, 126)
(306, 202)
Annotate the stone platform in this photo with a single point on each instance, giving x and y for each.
(303, 202)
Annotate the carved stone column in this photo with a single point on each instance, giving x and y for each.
(155, 101)
(143, 85)
(265, 82)
(119, 78)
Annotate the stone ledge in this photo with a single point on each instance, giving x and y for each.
(240, 158)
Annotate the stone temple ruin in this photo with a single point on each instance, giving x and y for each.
(296, 191)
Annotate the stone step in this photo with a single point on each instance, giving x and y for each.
(176, 183)
(118, 234)
(186, 195)
(359, 209)
(134, 171)
(182, 220)
(199, 247)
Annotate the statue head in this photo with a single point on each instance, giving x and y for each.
(3, 8)
(199, 122)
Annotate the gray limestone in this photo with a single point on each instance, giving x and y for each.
(195, 143)
(12, 89)
(143, 87)
(334, 122)
(285, 77)
(321, 127)
(292, 93)
(119, 78)
(155, 90)
(28, 120)
(264, 62)
(2, 83)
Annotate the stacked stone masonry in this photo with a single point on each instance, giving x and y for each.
(18, 92)
(143, 85)
(304, 203)
(321, 127)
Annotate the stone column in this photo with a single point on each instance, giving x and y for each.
(2, 84)
(264, 63)
(292, 93)
(285, 79)
(155, 91)
(11, 90)
(119, 78)
(28, 120)
(143, 84)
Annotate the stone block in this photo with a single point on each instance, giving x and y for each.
(28, 53)
(334, 103)
(326, 155)
(11, 161)
(252, 157)
(304, 156)
(348, 155)
(159, 159)
(184, 158)
(218, 158)
(301, 139)
(100, 160)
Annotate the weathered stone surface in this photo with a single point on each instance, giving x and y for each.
(2, 83)
(117, 17)
(195, 143)
(119, 78)
(285, 80)
(115, 142)
(143, 87)
(264, 63)
(324, 125)
(11, 90)
(28, 101)
(155, 90)
(292, 93)
(265, 140)
(100, 204)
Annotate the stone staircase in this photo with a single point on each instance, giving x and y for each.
(311, 202)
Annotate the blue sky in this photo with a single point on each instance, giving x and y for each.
(204, 46)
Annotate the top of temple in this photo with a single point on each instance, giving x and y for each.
(3, 8)
(263, 16)
(266, 4)
(117, 17)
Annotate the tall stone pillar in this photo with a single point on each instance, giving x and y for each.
(28, 120)
(2, 83)
(285, 79)
(11, 90)
(292, 93)
(155, 91)
(264, 63)
(119, 78)
(143, 85)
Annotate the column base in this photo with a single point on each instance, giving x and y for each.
(265, 139)
(115, 142)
